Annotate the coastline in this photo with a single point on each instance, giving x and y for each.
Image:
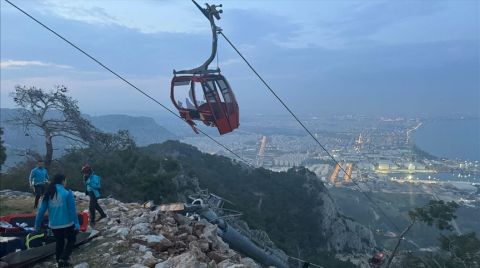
(450, 139)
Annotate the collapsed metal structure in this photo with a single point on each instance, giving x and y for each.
(210, 207)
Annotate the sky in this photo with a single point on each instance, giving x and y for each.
(379, 58)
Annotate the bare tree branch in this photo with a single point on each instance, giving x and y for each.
(58, 115)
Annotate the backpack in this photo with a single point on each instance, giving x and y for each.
(39, 239)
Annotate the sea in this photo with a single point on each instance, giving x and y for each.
(452, 139)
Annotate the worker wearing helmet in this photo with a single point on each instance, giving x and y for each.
(92, 184)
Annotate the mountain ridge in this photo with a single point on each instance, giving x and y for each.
(21, 144)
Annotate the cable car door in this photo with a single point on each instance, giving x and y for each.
(216, 106)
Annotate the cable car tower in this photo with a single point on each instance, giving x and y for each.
(210, 98)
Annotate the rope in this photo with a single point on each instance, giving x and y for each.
(308, 131)
(125, 80)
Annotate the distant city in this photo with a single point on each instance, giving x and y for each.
(373, 154)
(378, 154)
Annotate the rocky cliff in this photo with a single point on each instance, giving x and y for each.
(293, 207)
(292, 210)
(343, 234)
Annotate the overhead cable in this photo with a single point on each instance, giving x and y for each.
(125, 80)
(307, 130)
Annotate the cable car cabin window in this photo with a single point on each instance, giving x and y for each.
(183, 95)
(227, 95)
(211, 95)
(197, 94)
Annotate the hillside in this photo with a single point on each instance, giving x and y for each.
(293, 208)
(287, 204)
(144, 129)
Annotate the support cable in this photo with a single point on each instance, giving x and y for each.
(205, 134)
(308, 131)
(125, 80)
(311, 135)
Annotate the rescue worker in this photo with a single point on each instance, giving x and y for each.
(38, 181)
(93, 185)
(62, 218)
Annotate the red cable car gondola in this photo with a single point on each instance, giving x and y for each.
(208, 95)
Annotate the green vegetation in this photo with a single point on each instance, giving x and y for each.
(395, 206)
(438, 213)
(285, 205)
(456, 251)
(126, 174)
(463, 250)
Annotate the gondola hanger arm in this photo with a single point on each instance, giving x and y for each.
(211, 13)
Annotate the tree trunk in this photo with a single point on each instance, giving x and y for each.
(398, 243)
(49, 147)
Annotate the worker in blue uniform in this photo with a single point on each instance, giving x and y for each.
(62, 218)
(93, 185)
(38, 180)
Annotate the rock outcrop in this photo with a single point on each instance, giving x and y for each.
(334, 232)
(342, 235)
(133, 236)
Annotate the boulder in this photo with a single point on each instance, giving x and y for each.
(191, 238)
(148, 259)
(221, 245)
(123, 232)
(142, 228)
(229, 264)
(180, 244)
(248, 262)
(81, 265)
(186, 259)
(143, 248)
(185, 229)
(198, 228)
(217, 256)
(106, 244)
(170, 220)
(157, 242)
(138, 266)
(203, 245)
(210, 233)
(123, 208)
(139, 220)
(180, 219)
(182, 236)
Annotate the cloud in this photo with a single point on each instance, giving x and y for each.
(91, 15)
(148, 17)
(354, 23)
(102, 93)
(25, 63)
(253, 25)
(230, 62)
(369, 18)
